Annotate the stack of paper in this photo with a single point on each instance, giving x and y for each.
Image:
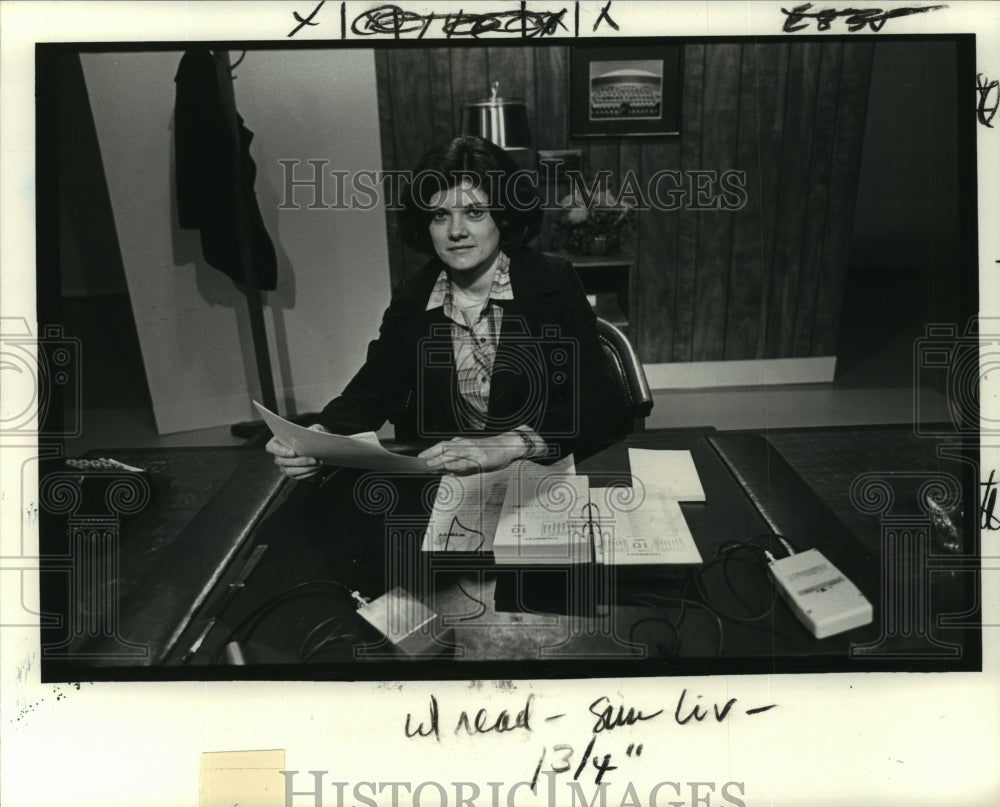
(672, 472)
(544, 520)
(652, 532)
(536, 514)
(467, 508)
(466, 511)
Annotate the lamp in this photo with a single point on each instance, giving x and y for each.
(501, 120)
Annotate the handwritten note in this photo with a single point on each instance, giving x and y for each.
(854, 18)
(527, 715)
(988, 520)
(989, 99)
(396, 22)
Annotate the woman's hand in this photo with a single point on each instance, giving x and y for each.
(291, 464)
(464, 455)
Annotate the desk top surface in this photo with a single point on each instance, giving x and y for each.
(197, 487)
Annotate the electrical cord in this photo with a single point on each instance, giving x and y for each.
(726, 566)
(724, 560)
(685, 602)
(677, 637)
(675, 623)
(728, 553)
(317, 628)
(725, 555)
(329, 640)
(306, 588)
(787, 544)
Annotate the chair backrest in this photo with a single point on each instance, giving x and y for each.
(626, 369)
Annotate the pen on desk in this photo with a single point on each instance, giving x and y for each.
(231, 591)
(197, 643)
(239, 581)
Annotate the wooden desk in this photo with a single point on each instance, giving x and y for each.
(122, 584)
(505, 623)
(874, 481)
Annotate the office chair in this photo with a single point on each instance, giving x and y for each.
(627, 372)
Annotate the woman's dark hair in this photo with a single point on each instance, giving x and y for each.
(514, 204)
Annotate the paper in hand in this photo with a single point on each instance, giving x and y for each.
(356, 451)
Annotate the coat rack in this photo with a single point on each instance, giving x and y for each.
(215, 194)
(255, 305)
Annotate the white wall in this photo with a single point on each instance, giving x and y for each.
(333, 278)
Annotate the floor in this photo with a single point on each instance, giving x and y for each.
(874, 385)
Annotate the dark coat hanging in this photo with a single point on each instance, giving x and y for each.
(215, 172)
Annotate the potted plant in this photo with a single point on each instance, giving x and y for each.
(596, 226)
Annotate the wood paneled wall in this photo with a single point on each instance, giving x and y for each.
(765, 281)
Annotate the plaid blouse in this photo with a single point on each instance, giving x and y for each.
(474, 338)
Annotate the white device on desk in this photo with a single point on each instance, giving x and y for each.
(411, 627)
(819, 594)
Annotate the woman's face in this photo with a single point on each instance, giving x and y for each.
(463, 232)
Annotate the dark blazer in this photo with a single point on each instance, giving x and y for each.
(215, 172)
(549, 372)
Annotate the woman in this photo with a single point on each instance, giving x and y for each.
(490, 349)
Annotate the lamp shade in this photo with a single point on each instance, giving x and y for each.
(504, 121)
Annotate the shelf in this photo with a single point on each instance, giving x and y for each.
(606, 281)
(617, 260)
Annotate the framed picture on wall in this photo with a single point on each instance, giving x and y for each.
(624, 91)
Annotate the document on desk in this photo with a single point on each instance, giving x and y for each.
(652, 532)
(466, 511)
(354, 451)
(467, 508)
(544, 521)
(563, 520)
(537, 514)
(673, 472)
